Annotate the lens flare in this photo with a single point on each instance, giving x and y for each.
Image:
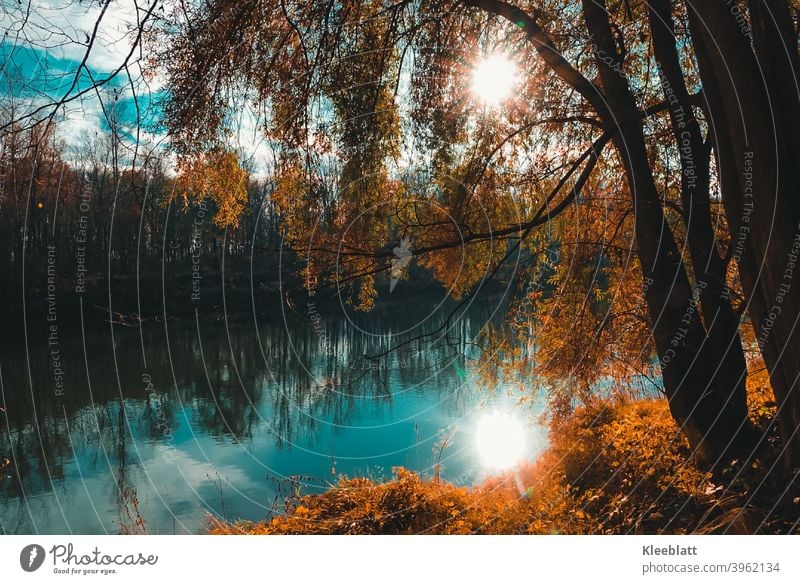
(500, 440)
(493, 79)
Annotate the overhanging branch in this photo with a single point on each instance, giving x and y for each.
(547, 50)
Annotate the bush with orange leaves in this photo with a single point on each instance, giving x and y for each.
(612, 468)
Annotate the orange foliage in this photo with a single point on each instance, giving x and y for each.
(215, 175)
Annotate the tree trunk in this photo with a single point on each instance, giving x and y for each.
(696, 400)
(755, 113)
(728, 382)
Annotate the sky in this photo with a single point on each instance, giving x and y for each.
(43, 45)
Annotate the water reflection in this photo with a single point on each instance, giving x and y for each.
(159, 427)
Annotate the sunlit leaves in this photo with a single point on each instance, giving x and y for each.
(215, 175)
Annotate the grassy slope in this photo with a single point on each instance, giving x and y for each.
(614, 468)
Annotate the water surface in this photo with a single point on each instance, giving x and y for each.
(176, 421)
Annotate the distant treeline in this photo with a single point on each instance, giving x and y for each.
(104, 223)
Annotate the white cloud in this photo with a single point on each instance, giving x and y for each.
(63, 27)
(59, 30)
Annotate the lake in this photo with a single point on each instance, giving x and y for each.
(118, 428)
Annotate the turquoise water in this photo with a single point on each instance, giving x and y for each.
(175, 422)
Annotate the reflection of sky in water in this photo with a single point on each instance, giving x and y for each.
(240, 424)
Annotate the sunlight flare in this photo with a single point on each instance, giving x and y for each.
(493, 79)
(500, 440)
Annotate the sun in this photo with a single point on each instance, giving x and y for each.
(500, 440)
(493, 79)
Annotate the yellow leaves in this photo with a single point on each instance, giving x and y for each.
(215, 175)
(367, 293)
(289, 187)
(301, 511)
(760, 399)
(458, 268)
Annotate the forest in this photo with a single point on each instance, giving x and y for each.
(616, 179)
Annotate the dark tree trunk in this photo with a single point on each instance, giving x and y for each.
(697, 401)
(702, 379)
(728, 383)
(754, 108)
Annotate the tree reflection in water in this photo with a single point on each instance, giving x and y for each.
(238, 402)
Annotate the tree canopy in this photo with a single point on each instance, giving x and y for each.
(623, 149)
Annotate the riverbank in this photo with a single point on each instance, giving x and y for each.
(612, 468)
